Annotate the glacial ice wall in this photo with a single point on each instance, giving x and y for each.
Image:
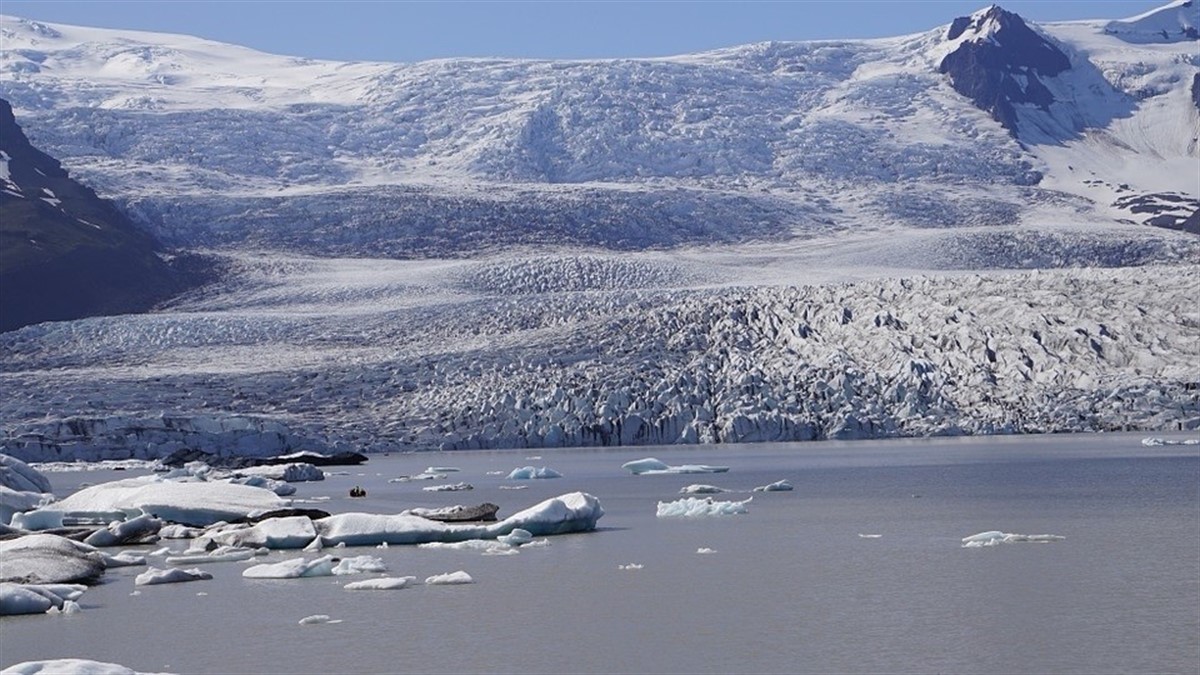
(1043, 351)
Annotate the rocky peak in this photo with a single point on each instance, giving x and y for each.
(1000, 61)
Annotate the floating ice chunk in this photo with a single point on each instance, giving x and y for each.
(274, 533)
(142, 529)
(48, 559)
(315, 545)
(188, 503)
(573, 512)
(69, 607)
(529, 473)
(704, 550)
(777, 486)
(450, 579)
(158, 552)
(651, 466)
(995, 537)
(124, 559)
(483, 545)
(698, 489)
(318, 618)
(380, 584)
(292, 569)
(1156, 442)
(180, 532)
(514, 487)
(494, 473)
(154, 576)
(442, 469)
(869, 536)
(517, 537)
(37, 519)
(20, 477)
(36, 598)
(289, 473)
(221, 554)
(690, 507)
(362, 564)
(631, 566)
(452, 487)
(71, 667)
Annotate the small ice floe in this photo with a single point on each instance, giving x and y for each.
(533, 458)
(380, 584)
(630, 566)
(690, 507)
(318, 618)
(442, 469)
(124, 559)
(217, 555)
(180, 532)
(530, 473)
(449, 579)
(869, 536)
(703, 550)
(777, 486)
(449, 487)
(651, 466)
(996, 537)
(517, 537)
(36, 598)
(514, 487)
(273, 533)
(325, 566)
(699, 489)
(155, 576)
(71, 667)
(1153, 441)
(69, 607)
(159, 552)
(494, 473)
(315, 545)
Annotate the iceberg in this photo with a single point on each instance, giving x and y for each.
(22, 488)
(449, 579)
(704, 550)
(318, 618)
(690, 507)
(71, 667)
(530, 473)
(651, 466)
(220, 554)
(188, 503)
(140, 530)
(325, 566)
(698, 489)
(573, 512)
(154, 576)
(299, 472)
(452, 487)
(996, 537)
(274, 533)
(49, 559)
(123, 559)
(36, 598)
(380, 584)
(777, 486)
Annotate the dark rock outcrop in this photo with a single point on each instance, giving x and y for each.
(64, 252)
(1000, 63)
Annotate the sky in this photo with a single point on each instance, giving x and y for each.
(405, 31)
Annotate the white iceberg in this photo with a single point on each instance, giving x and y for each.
(217, 555)
(195, 503)
(318, 618)
(71, 667)
(289, 473)
(777, 486)
(651, 466)
(631, 566)
(36, 598)
(699, 489)
(49, 559)
(869, 536)
(442, 469)
(325, 566)
(123, 559)
(690, 507)
(274, 533)
(530, 473)
(380, 584)
(573, 512)
(452, 487)
(22, 488)
(154, 576)
(996, 537)
(449, 579)
(704, 550)
(140, 530)
(1153, 441)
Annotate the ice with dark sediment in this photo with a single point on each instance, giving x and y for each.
(49, 558)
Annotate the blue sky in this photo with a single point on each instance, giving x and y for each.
(382, 30)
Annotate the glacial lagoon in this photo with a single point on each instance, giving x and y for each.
(860, 568)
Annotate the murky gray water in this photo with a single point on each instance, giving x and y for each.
(791, 588)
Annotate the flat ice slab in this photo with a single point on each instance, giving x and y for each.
(996, 537)
(651, 466)
(380, 584)
(188, 503)
(71, 667)
(449, 579)
(691, 507)
(530, 473)
(154, 576)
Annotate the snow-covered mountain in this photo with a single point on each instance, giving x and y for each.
(781, 241)
(988, 121)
